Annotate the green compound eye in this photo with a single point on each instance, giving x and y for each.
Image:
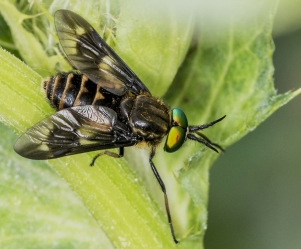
(175, 139)
(179, 117)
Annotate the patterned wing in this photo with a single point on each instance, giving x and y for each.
(90, 54)
(74, 130)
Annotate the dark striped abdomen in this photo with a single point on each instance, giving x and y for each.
(70, 89)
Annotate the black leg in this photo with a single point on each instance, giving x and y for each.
(108, 153)
(152, 154)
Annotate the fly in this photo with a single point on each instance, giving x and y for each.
(104, 106)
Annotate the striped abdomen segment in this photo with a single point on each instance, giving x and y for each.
(69, 89)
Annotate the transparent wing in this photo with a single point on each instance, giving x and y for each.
(74, 130)
(90, 54)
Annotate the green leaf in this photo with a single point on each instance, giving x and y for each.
(38, 209)
(113, 194)
(226, 71)
(28, 43)
(153, 41)
(110, 191)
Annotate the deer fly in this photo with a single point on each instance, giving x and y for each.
(104, 106)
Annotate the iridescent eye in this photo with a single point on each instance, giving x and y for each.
(175, 139)
(179, 117)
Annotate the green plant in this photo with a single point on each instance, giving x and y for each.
(207, 72)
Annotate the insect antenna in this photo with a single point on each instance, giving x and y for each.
(203, 139)
(208, 140)
(204, 126)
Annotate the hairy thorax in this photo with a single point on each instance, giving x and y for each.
(148, 117)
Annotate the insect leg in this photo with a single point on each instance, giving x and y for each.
(152, 154)
(108, 153)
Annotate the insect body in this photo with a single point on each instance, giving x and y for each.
(70, 89)
(106, 106)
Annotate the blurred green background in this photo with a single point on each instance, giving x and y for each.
(255, 187)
